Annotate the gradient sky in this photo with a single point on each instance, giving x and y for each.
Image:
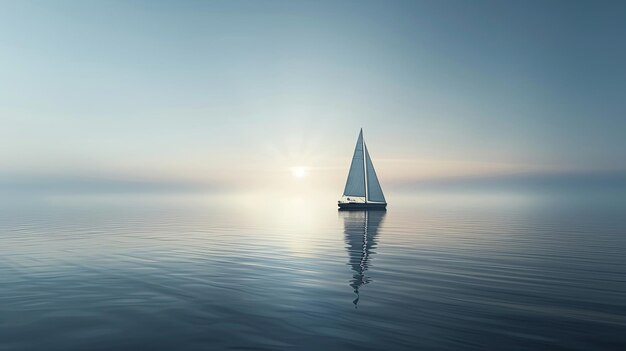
(234, 93)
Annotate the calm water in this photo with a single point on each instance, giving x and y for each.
(156, 273)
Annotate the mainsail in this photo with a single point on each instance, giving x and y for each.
(362, 180)
(355, 185)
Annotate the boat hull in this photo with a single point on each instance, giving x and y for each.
(362, 206)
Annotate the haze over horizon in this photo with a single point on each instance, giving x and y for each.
(234, 94)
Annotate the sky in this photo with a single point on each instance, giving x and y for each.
(235, 94)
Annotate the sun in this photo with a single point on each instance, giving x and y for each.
(298, 172)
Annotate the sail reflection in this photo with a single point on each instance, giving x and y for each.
(361, 229)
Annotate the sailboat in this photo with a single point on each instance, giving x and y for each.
(362, 189)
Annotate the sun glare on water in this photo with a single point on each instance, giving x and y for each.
(298, 172)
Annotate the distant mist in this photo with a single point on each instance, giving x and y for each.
(93, 185)
(531, 183)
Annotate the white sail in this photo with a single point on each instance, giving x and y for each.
(355, 185)
(362, 185)
(374, 191)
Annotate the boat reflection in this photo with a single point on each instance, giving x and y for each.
(360, 229)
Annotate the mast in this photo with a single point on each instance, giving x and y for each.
(364, 164)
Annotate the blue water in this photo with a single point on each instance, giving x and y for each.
(456, 273)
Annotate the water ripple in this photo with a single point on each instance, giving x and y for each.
(163, 277)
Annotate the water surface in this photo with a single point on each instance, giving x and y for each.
(119, 273)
